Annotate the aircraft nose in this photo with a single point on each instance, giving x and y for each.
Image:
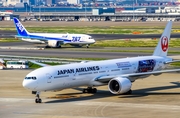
(28, 84)
(93, 41)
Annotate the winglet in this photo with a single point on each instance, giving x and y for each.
(163, 44)
(20, 28)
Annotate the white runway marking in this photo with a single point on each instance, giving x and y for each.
(132, 105)
(105, 104)
(14, 99)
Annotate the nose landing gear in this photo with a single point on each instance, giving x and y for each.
(38, 99)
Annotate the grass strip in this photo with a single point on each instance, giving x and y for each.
(95, 30)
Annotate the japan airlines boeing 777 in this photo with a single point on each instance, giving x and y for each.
(52, 39)
(118, 74)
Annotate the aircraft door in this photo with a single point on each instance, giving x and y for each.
(134, 68)
(49, 78)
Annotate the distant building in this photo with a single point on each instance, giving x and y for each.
(32, 2)
(73, 1)
(13, 2)
(49, 2)
(54, 2)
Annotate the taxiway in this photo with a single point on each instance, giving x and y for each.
(155, 96)
(11, 34)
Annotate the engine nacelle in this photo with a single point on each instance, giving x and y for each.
(119, 85)
(54, 43)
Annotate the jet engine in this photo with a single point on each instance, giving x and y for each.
(54, 43)
(119, 85)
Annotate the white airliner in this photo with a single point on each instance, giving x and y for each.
(52, 39)
(118, 74)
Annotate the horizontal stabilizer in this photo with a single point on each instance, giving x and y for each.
(168, 62)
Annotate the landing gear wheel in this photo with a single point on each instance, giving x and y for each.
(84, 90)
(87, 46)
(38, 100)
(90, 90)
(94, 90)
(47, 46)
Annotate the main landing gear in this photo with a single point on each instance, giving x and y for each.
(38, 99)
(90, 90)
(87, 46)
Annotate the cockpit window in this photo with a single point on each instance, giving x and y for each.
(90, 37)
(34, 78)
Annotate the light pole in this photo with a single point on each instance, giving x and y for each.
(133, 10)
(30, 6)
(39, 10)
(85, 10)
(26, 9)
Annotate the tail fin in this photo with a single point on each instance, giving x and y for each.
(20, 28)
(163, 44)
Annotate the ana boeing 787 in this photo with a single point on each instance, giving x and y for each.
(117, 74)
(52, 39)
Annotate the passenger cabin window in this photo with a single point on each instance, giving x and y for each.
(61, 76)
(116, 70)
(102, 71)
(85, 73)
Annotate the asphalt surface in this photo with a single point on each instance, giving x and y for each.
(79, 53)
(68, 53)
(37, 50)
(153, 97)
(11, 34)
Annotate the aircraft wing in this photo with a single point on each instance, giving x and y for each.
(38, 63)
(41, 38)
(134, 76)
(168, 62)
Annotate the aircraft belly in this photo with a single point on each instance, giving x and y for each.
(76, 43)
(70, 82)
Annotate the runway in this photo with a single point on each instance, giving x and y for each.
(155, 96)
(11, 34)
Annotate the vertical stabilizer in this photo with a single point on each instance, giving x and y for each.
(163, 44)
(20, 28)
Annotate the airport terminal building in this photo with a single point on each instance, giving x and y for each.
(126, 13)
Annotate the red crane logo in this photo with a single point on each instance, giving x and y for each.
(164, 43)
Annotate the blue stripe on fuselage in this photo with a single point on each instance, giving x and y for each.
(47, 38)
